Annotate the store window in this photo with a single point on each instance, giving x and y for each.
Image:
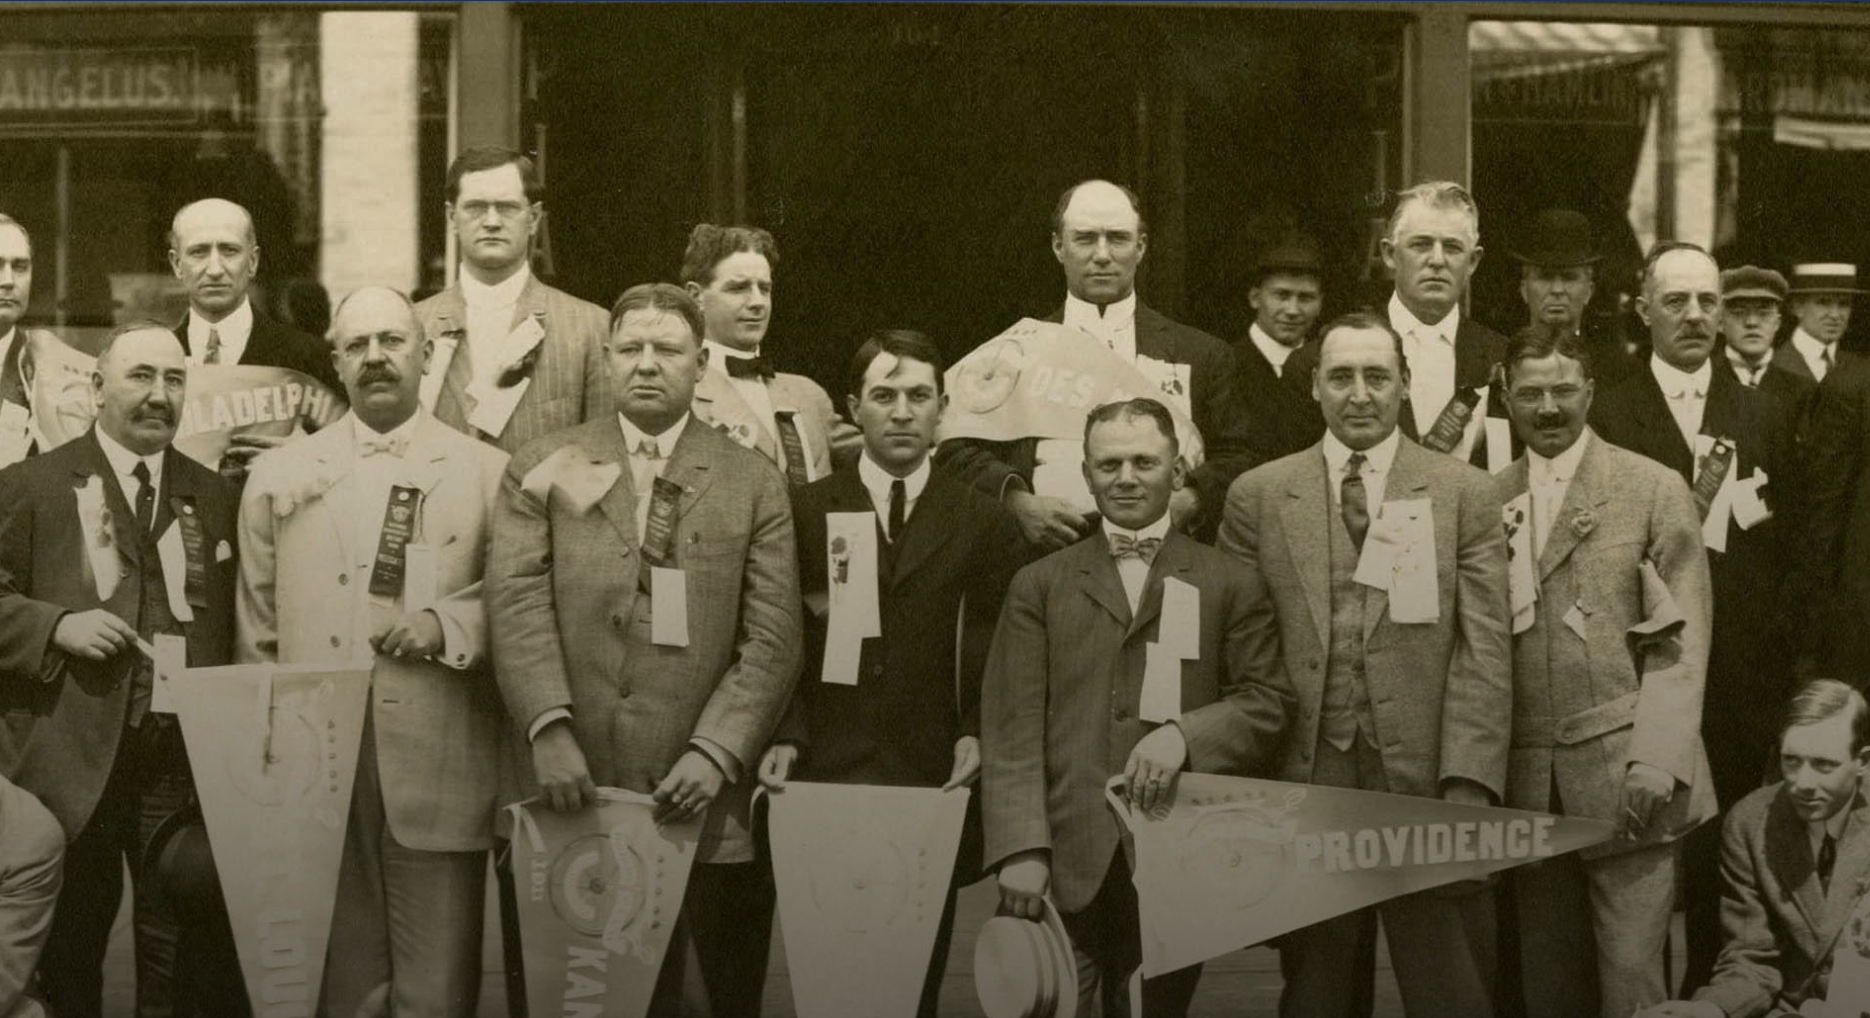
(331, 127)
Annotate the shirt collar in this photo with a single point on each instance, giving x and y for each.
(237, 326)
(1377, 458)
(1115, 314)
(1832, 825)
(360, 431)
(504, 294)
(718, 353)
(877, 480)
(634, 436)
(123, 461)
(1808, 344)
(1673, 379)
(1560, 469)
(1740, 363)
(1273, 350)
(1158, 530)
(1405, 322)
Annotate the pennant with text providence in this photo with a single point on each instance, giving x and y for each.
(273, 749)
(1233, 862)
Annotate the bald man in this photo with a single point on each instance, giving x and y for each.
(213, 252)
(410, 885)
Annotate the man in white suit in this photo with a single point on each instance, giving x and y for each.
(377, 527)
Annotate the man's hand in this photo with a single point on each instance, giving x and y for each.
(1153, 765)
(776, 764)
(966, 763)
(1646, 790)
(1463, 792)
(1046, 521)
(689, 789)
(417, 635)
(1683, 1009)
(93, 635)
(558, 764)
(1184, 503)
(1023, 882)
(240, 452)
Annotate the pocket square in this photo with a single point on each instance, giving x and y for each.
(222, 552)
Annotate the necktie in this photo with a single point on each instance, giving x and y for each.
(145, 498)
(1824, 357)
(748, 367)
(213, 353)
(385, 445)
(1827, 861)
(899, 500)
(1125, 546)
(1355, 506)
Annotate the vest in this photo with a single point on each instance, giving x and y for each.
(152, 617)
(1346, 709)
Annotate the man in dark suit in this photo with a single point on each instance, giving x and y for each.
(1750, 302)
(945, 556)
(16, 432)
(1821, 295)
(1404, 689)
(1099, 238)
(1286, 296)
(1795, 857)
(213, 252)
(1729, 442)
(1433, 247)
(1557, 279)
(83, 557)
(1834, 550)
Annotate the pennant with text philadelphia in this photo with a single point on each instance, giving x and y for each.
(862, 873)
(598, 893)
(274, 751)
(1233, 862)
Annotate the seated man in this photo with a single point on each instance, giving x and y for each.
(1793, 857)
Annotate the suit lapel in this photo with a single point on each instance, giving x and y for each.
(330, 454)
(1101, 582)
(1850, 874)
(426, 461)
(122, 516)
(927, 529)
(1306, 520)
(260, 342)
(1589, 492)
(531, 303)
(1172, 559)
(1651, 410)
(1472, 367)
(618, 503)
(717, 402)
(689, 466)
(12, 383)
(1789, 852)
(1792, 360)
(1154, 338)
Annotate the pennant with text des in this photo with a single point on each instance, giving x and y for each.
(1232, 862)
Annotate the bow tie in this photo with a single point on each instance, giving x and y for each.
(648, 449)
(748, 367)
(388, 445)
(1125, 546)
(1677, 395)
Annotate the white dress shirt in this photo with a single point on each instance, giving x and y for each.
(233, 332)
(123, 461)
(1813, 351)
(1273, 350)
(1133, 571)
(753, 390)
(490, 318)
(1430, 350)
(374, 475)
(643, 469)
(1687, 394)
(1376, 469)
(877, 482)
(1549, 480)
(1750, 375)
(1115, 325)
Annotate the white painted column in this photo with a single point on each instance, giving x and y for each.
(368, 78)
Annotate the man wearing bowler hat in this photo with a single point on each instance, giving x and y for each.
(1822, 293)
(1557, 279)
(1286, 295)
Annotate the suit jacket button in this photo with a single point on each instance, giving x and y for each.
(123, 571)
(343, 579)
(876, 670)
(334, 640)
(616, 620)
(1120, 714)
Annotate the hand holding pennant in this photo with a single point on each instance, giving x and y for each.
(1229, 862)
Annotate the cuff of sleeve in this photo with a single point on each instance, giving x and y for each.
(1013, 483)
(729, 766)
(454, 652)
(545, 718)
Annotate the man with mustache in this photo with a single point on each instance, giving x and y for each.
(1797, 861)
(1731, 445)
(514, 358)
(624, 675)
(1286, 296)
(213, 252)
(16, 432)
(366, 539)
(1822, 294)
(85, 547)
(1405, 688)
(1612, 555)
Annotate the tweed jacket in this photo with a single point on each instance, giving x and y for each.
(717, 402)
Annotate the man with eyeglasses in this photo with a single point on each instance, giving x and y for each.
(1730, 443)
(514, 358)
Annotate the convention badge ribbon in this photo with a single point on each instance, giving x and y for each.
(598, 894)
(1039, 380)
(851, 582)
(274, 781)
(1229, 862)
(862, 873)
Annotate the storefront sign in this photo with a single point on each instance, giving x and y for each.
(1614, 96)
(101, 87)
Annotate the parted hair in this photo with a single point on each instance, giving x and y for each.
(709, 245)
(1364, 320)
(1133, 409)
(659, 297)
(901, 342)
(492, 157)
(1435, 194)
(1540, 340)
(135, 325)
(1824, 699)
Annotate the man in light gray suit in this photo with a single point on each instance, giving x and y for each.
(1403, 687)
(1613, 607)
(367, 539)
(618, 680)
(514, 358)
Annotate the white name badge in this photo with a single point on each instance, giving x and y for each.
(175, 572)
(419, 580)
(668, 607)
(15, 435)
(494, 406)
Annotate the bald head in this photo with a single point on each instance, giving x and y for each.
(1099, 239)
(380, 352)
(376, 304)
(213, 252)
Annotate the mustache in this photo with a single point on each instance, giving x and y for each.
(370, 375)
(1549, 420)
(154, 412)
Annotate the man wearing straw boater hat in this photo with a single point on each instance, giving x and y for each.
(1821, 294)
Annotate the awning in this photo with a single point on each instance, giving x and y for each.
(1514, 49)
